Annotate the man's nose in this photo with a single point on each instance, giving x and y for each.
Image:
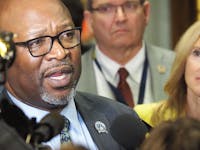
(120, 14)
(57, 51)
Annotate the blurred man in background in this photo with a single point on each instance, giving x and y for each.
(122, 65)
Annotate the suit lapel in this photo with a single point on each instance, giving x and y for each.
(101, 132)
(4, 95)
(159, 72)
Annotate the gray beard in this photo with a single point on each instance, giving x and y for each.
(59, 101)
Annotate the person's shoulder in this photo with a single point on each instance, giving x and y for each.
(101, 103)
(160, 54)
(161, 50)
(100, 100)
(87, 58)
(90, 51)
(146, 108)
(145, 111)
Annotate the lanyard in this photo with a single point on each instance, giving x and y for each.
(117, 93)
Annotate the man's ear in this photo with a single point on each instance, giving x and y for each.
(147, 10)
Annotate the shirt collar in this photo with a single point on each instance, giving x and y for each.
(110, 67)
(69, 111)
(135, 65)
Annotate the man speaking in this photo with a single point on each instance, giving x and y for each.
(45, 72)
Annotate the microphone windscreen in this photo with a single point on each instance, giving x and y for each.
(7, 48)
(128, 131)
(51, 125)
(15, 117)
(10, 140)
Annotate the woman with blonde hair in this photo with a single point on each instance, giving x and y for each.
(183, 86)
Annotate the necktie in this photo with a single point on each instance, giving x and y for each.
(124, 88)
(64, 135)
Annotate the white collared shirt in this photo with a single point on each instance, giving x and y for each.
(110, 73)
(78, 131)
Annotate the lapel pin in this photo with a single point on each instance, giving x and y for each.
(161, 69)
(100, 127)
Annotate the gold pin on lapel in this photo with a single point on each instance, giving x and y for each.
(161, 69)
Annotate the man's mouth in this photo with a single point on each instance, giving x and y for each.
(59, 76)
(58, 71)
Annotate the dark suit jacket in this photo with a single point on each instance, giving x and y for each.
(95, 108)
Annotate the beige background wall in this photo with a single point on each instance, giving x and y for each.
(158, 30)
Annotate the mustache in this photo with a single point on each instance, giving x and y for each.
(56, 65)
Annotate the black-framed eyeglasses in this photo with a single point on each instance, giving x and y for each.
(40, 46)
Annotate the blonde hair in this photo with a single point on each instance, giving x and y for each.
(176, 87)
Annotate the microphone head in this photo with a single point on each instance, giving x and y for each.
(128, 131)
(7, 53)
(7, 48)
(15, 117)
(51, 125)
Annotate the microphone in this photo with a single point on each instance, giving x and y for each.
(10, 140)
(7, 48)
(128, 131)
(33, 133)
(7, 53)
(16, 118)
(51, 125)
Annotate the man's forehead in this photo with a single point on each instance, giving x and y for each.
(23, 5)
(27, 20)
(9, 10)
(6, 2)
